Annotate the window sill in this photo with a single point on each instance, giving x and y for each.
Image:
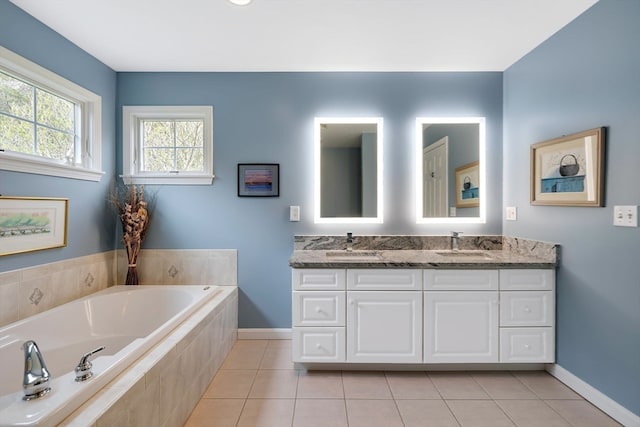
(27, 164)
(165, 179)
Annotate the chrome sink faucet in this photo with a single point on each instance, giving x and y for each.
(455, 240)
(35, 382)
(349, 242)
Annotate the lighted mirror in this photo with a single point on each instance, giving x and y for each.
(348, 169)
(450, 170)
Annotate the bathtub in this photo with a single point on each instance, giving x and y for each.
(127, 320)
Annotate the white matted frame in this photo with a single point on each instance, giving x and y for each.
(569, 171)
(32, 224)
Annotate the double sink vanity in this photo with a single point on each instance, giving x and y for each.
(415, 300)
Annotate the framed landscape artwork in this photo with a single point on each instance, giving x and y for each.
(258, 180)
(31, 224)
(569, 171)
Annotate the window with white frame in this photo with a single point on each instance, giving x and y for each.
(167, 144)
(48, 125)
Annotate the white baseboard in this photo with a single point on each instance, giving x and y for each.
(264, 334)
(599, 399)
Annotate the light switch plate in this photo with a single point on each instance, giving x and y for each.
(294, 213)
(511, 213)
(452, 211)
(625, 216)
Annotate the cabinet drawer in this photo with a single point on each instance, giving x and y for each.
(518, 345)
(318, 279)
(523, 308)
(384, 280)
(460, 280)
(318, 308)
(318, 345)
(527, 280)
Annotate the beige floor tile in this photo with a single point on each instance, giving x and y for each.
(231, 384)
(457, 385)
(276, 358)
(531, 413)
(267, 413)
(216, 412)
(411, 385)
(245, 354)
(502, 385)
(426, 413)
(545, 386)
(320, 413)
(279, 344)
(373, 413)
(478, 413)
(581, 413)
(274, 384)
(320, 385)
(365, 385)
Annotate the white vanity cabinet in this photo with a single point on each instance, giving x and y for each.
(384, 316)
(527, 316)
(461, 312)
(318, 309)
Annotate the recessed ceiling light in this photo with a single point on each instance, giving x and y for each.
(240, 2)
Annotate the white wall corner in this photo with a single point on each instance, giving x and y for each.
(595, 396)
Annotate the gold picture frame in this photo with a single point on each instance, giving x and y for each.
(569, 171)
(32, 224)
(468, 185)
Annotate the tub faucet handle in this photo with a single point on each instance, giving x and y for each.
(36, 376)
(83, 370)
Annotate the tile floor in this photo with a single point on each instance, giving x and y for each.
(257, 385)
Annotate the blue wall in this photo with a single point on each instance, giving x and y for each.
(268, 117)
(587, 75)
(91, 224)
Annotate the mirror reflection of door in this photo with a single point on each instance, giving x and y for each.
(435, 179)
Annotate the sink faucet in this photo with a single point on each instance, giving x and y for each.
(455, 240)
(36, 378)
(349, 241)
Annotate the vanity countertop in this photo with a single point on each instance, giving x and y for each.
(476, 252)
(416, 259)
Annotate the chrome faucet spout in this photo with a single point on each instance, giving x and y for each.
(349, 241)
(455, 240)
(36, 378)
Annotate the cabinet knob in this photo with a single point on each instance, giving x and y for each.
(318, 346)
(351, 302)
(527, 310)
(527, 346)
(318, 310)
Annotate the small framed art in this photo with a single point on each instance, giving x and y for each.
(569, 171)
(258, 180)
(32, 223)
(468, 185)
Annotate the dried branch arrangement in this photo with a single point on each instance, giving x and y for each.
(133, 212)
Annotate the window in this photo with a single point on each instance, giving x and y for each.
(168, 144)
(48, 125)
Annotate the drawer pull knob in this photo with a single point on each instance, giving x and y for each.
(527, 310)
(318, 346)
(527, 346)
(318, 310)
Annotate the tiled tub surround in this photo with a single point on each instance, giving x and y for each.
(422, 252)
(164, 385)
(32, 290)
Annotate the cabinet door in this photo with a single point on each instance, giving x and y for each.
(460, 327)
(384, 327)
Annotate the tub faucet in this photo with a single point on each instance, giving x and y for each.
(83, 370)
(36, 378)
(349, 242)
(455, 240)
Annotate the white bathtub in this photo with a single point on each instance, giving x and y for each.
(128, 320)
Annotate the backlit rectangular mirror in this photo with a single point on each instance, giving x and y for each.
(348, 170)
(450, 170)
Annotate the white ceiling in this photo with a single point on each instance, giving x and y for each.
(307, 35)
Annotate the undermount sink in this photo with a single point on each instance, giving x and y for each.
(464, 254)
(353, 254)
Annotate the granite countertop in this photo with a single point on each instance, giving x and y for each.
(476, 252)
(416, 259)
